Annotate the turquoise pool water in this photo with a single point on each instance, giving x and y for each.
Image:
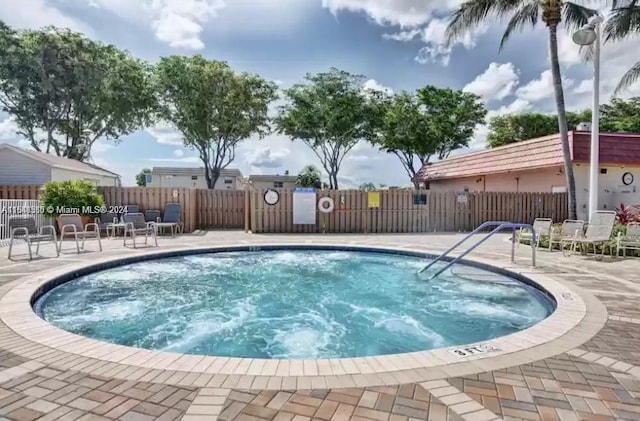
(291, 304)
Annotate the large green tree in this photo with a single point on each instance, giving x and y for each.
(511, 128)
(433, 122)
(617, 116)
(621, 115)
(141, 177)
(66, 91)
(310, 176)
(214, 107)
(522, 14)
(623, 22)
(329, 114)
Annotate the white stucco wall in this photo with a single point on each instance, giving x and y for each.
(59, 174)
(163, 180)
(534, 181)
(270, 184)
(612, 191)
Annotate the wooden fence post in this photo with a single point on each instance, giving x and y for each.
(246, 209)
(192, 207)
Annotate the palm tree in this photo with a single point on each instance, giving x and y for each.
(310, 176)
(522, 14)
(624, 21)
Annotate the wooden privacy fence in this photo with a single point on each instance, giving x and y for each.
(221, 209)
(155, 198)
(19, 192)
(399, 211)
(407, 211)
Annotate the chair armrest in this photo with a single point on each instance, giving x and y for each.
(150, 224)
(92, 224)
(19, 229)
(129, 225)
(72, 226)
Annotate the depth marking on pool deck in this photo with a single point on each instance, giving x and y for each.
(469, 351)
(570, 321)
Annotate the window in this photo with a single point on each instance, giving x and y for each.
(419, 199)
(228, 181)
(194, 177)
(148, 178)
(278, 184)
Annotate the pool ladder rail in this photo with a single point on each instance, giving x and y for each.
(499, 226)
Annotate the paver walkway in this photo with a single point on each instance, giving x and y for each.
(599, 380)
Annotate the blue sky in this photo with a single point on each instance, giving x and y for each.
(396, 44)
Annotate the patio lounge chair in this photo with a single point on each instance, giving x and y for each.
(152, 215)
(570, 228)
(173, 217)
(137, 226)
(131, 209)
(25, 229)
(106, 221)
(542, 227)
(72, 226)
(629, 241)
(599, 231)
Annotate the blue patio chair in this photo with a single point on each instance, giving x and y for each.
(173, 215)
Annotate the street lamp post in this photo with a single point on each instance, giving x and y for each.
(587, 35)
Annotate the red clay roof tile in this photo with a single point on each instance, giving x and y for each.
(615, 148)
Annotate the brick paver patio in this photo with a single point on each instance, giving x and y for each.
(598, 380)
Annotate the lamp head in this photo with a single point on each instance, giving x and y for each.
(585, 35)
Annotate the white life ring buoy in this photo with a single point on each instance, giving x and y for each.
(326, 205)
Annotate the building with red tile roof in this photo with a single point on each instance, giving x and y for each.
(537, 165)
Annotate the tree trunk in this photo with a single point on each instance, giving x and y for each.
(562, 119)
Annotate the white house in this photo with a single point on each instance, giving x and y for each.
(230, 179)
(273, 181)
(20, 166)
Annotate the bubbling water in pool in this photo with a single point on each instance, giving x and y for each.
(291, 304)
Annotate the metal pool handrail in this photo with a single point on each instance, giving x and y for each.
(500, 226)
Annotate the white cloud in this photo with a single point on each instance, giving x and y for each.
(405, 13)
(267, 157)
(166, 134)
(416, 19)
(541, 88)
(178, 153)
(433, 36)
(496, 83)
(374, 85)
(179, 23)
(34, 14)
(185, 159)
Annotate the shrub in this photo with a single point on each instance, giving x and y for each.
(626, 214)
(76, 196)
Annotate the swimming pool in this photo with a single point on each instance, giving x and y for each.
(292, 304)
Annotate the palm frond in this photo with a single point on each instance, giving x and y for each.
(630, 77)
(473, 13)
(622, 22)
(576, 16)
(527, 15)
(617, 4)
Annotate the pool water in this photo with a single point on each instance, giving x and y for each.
(292, 304)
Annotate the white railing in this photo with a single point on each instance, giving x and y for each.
(17, 208)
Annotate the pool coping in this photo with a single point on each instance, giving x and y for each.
(567, 327)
